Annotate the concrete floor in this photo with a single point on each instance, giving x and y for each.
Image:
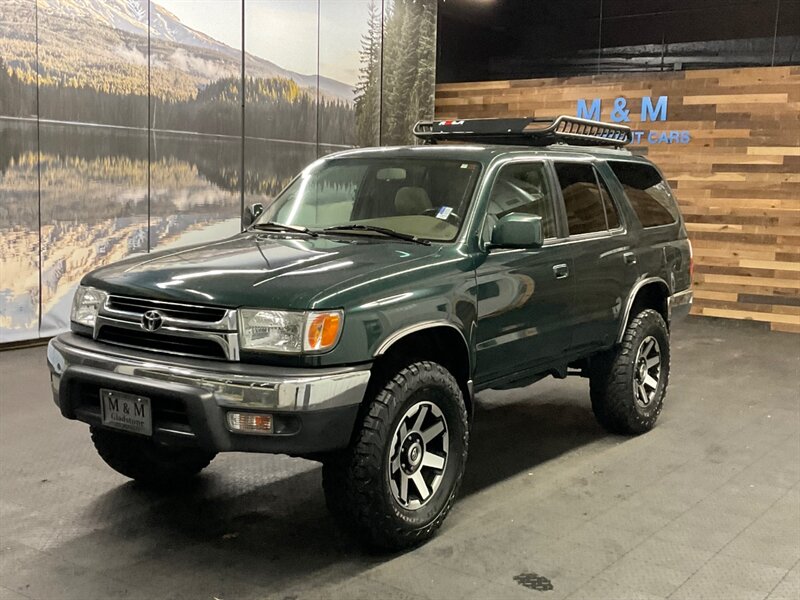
(707, 505)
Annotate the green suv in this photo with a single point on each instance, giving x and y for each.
(355, 317)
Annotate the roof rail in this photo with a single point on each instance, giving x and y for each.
(525, 131)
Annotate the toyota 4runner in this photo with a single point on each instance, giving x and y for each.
(355, 317)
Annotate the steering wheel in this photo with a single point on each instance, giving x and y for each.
(452, 218)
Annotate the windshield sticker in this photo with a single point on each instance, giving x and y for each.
(444, 212)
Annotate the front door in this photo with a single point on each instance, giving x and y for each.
(523, 295)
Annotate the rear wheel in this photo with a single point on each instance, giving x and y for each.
(151, 465)
(396, 483)
(629, 383)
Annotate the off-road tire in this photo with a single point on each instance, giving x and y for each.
(148, 464)
(612, 373)
(356, 481)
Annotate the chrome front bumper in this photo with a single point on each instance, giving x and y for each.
(324, 402)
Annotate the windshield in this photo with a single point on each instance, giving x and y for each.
(424, 198)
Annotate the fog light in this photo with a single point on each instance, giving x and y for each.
(250, 422)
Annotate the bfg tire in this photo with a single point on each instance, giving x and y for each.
(399, 478)
(628, 384)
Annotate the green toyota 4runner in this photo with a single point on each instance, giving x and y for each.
(355, 317)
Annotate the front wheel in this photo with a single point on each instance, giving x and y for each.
(396, 483)
(628, 384)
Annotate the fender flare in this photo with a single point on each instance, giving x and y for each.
(632, 297)
(399, 334)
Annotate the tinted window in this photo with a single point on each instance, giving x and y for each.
(582, 198)
(521, 188)
(647, 192)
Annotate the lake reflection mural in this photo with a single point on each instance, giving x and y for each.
(155, 124)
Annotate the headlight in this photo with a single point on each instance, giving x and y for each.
(86, 304)
(289, 332)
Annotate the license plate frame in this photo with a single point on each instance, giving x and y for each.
(126, 412)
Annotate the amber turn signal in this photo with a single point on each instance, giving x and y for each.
(250, 422)
(322, 330)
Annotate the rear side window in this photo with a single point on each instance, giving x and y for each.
(648, 193)
(585, 202)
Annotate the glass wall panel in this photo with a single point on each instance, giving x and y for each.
(668, 35)
(409, 65)
(196, 121)
(122, 128)
(787, 41)
(19, 187)
(93, 143)
(350, 73)
(281, 93)
(519, 39)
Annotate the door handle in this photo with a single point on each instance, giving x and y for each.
(629, 258)
(561, 271)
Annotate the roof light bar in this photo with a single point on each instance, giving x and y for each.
(526, 131)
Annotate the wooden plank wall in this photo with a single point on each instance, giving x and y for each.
(737, 180)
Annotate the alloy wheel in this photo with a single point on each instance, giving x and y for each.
(647, 371)
(418, 455)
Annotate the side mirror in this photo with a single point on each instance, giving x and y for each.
(518, 230)
(251, 213)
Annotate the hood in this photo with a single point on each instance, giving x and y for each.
(256, 269)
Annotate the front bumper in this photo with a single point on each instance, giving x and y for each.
(191, 397)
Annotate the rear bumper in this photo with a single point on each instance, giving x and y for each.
(191, 398)
(679, 304)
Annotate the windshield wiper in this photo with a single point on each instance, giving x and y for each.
(273, 226)
(382, 230)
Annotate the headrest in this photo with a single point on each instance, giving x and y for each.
(412, 201)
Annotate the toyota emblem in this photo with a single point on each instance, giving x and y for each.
(152, 320)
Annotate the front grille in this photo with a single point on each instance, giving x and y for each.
(182, 329)
(160, 342)
(188, 312)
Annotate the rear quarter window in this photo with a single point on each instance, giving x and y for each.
(647, 192)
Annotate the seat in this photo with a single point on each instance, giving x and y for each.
(412, 201)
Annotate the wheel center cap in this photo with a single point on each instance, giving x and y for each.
(642, 370)
(414, 454)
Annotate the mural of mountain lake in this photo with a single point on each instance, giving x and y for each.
(97, 184)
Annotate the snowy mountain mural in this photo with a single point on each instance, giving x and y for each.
(105, 40)
(126, 127)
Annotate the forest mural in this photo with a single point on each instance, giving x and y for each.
(128, 126)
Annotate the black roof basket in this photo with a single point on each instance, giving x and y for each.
(525, 131)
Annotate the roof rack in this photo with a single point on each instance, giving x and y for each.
(525, 131)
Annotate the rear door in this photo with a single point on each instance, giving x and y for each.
(604, 261)
(524, 296)
(663, 248)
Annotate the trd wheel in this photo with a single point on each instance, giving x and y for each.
(628, 384)
(398, 480)
(150, 465)
(418, 455)
(647, 371)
